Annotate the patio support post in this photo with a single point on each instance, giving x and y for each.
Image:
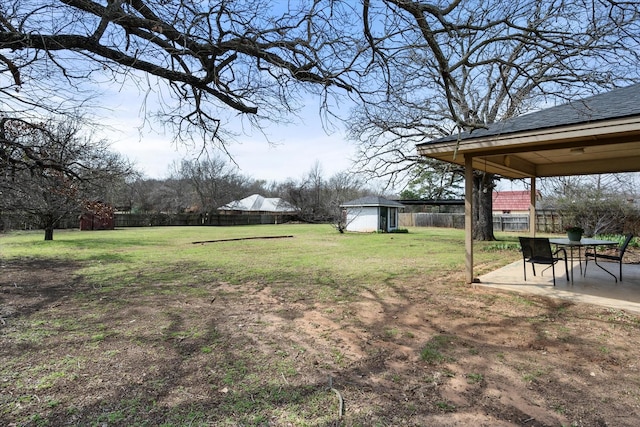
(468, 216)
(533, 227)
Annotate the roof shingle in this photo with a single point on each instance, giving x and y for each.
(618, 103)
(511, 200)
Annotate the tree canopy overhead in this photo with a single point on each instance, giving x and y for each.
(418, 69)
(253, 57)
(443, 67)
(449, 66)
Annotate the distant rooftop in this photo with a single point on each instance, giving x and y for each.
(258, 203)
(511, 200)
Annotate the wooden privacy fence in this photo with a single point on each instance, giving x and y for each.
(546, 221)
(511, 222)
(155, 220)
(10, 221)
(423, 219)
(17, 221)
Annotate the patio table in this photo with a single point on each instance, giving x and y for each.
(571, 244)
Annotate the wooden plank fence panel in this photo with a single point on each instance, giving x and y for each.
(546, 221)
(155, 220)
(424, 219)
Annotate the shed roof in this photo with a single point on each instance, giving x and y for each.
(598, 134)
(258, 203)
(372, 201)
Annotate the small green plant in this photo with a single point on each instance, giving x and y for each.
(559, 408)
(50, 380)
(38, 420)
(522, 300)
(431, 353)
(338, 356)
(532, 376)
(115, 416)
(98, 337)
(391, 333)
(474, 378)
(445, 406)
(502, 246)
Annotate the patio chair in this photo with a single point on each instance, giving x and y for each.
(591, 253)
(537, 250)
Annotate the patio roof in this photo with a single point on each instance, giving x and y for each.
(600, 134)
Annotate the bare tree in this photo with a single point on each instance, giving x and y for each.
(343, 187)
(627, 185)
(319, 198)
(51, 170)
(202, 60)
(599, 203)
(445, 67)
(214, 182)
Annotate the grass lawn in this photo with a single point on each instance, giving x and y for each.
(307, 327)
(315, 252)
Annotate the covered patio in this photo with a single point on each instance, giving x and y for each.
(599, 134)
(596, 288)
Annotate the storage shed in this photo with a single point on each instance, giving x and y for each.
(371, 213)
(97, 216)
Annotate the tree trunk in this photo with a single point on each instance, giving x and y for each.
(48, 233)
(47, 221)
(483, 206)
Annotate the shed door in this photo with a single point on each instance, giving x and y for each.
(393, 218)
(382, 224)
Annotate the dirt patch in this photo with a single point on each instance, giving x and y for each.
(213, 353)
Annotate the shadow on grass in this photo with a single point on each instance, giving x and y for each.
(144, 356)
(30, 285)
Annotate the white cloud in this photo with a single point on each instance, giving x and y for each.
(288, 151)
(294, 156)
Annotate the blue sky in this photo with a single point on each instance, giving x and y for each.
(286, 152)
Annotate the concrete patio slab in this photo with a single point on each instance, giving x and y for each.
(597, 287)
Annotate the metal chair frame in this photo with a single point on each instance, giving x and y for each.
(537, 250)
(618, 257)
